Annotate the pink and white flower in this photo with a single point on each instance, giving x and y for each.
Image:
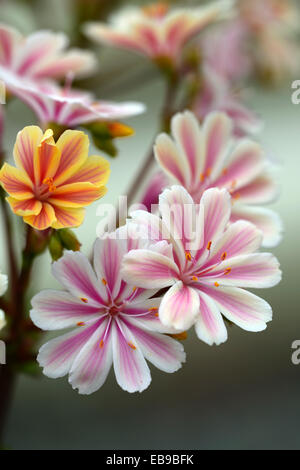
(217, 95)
(155, 30)
(71, 108)
(113, 323)
(40, 56)
(200, 157)
(206, 266)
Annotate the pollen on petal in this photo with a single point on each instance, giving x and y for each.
(84, 300)
(132, 346)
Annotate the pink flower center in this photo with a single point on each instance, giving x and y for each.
(113, 311)
(44, 191)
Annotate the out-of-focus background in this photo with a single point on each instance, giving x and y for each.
(241, 395)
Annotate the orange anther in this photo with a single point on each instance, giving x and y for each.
(101, 344)
(80, 323)
(209, 245)
(84, 300)
(217, 284)
(104, 282)
(132, 346)
(227, 271)
(224, 256)
(195, 278)
(188, 256)
(49, 183)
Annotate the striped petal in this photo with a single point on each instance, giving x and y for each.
(261, 190)
(266, 220)
(210, 326)
(26, 148)
(43, 220)
(131, 370)
(74, 146)
(55, 310)
(216, 207)
(108, 256)
(243, 308)
(171, 161)
(96, 170)
(162, 351)
(68, 217)
(75, 273)
(16, 182)
(25, 207)
(76, 194)
(47, 158)
(57, 356)
(148, 269)
(179, 306)
(217, 133)
(92, 365)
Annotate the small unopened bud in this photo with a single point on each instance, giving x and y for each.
(69, 239)
(180, 336)
(56, 248)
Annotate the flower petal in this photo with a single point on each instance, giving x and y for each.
(132, 372)
(216, 207)
(76, 194)
(148, 269)
(266, 220)
(246, 163)
(92, 365)
(108, 256)
(16, 182)
(47, 158)
(68, 217)
(210, 326)
(240, 238)
(217, 130)
(57, 356)
(74, 147)
(96, 170)
(55, 310)
(257, 270)
(25, 207)
(261, 190)
(243, 308)
(26, 148)
(179, 306)
(75, 273)
(43, 220)
(171, 161)
(189, 139)
(162, 351)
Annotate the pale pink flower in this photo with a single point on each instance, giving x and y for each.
(156, 30)
(201, 157)
(115, 323)
(224, 41)
(155, 186)
(280, 14)
(69, 107)
(206, 265)
(40, 56)
(216, 94)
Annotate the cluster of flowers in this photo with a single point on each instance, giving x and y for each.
(162, 273)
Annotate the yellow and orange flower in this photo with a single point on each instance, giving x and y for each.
(53, 182)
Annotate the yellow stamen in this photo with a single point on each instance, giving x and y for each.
(225, 171)
(195, 278)
(227, 271)
(104, 282)
(217, 284)
(84, 300)
(202, 177)
(132, 346)
(224, 256)
(49, 183)
(209, 245)
(80, 323)
(156, 10)
(188, 256)
(101, 344)
(180, 336)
